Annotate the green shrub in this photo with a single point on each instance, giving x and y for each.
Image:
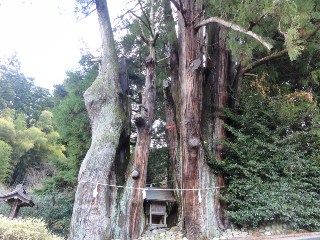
(272, 161)
(20, 229)
(54, 208)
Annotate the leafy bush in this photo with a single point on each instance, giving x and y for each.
(54, 208)
(272, 161)
(31, 229)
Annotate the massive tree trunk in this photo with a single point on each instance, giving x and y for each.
(94, 211)
(218, 66)
(198, 209)
(171, 89)
(131, 215)
(194, 118)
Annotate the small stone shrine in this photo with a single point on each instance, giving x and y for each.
(156, 200)
(17, 198)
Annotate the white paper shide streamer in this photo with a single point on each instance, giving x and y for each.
(199, 196)
(95, 191)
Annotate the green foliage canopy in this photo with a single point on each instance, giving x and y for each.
(284, 24)
(19, 92)
(5, 153)
(29, 146)
(71, 119)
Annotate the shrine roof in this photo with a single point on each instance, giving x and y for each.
(18, 193)
(159, 195)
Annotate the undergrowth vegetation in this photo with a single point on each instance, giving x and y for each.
(272, 163)
(52, 206)
(20, 229)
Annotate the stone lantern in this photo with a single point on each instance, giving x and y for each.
(17, 198)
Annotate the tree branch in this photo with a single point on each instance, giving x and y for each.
(86, 14)
(144, 38)
(243, 71)
(85, 8)
(147, 17)
(142, 35)
(144, 23)
(263, 60)
(234, 27)
(277, 54)
(162, 59)
(128, 11)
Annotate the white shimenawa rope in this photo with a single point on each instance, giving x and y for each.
(153, 189)
(144, 194)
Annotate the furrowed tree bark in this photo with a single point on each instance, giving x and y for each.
(144, 127)
(202, 213)
(95, 204)
(218, 63)
(172, 96)
(198, 211)
(131, 216)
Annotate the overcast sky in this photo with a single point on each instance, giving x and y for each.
(47, 37)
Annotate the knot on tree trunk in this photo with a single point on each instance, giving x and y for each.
(135, 173)
(196, 64)
(194, 142)
(139, 122)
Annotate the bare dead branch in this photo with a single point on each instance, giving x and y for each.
(87, 15)
(251, 75)
(128, 11)
(141, 20)
(234, 27)
(162, 59)
(83, 8)
(147, 17)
